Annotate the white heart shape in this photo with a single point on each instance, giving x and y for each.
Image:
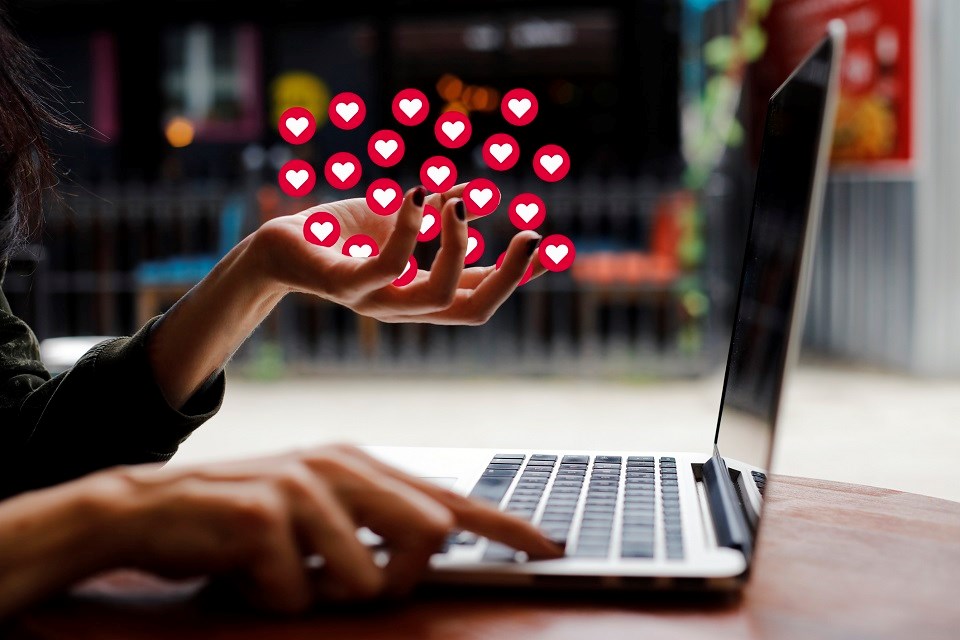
(321, 230)
(297, 125)
(405, 269)
(471, 244)
(438, 174)
(361, 250)
(556, 252)
(501, 151)
(527, 211)
(481, 196)
(384, 196)
(519, 107)
(297, 178)
(427, 222)
(453, 129)
(347, 110)
(342, 170)
(385, 147)
(551, 163)
(410, 107)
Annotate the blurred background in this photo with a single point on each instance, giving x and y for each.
(660, 104)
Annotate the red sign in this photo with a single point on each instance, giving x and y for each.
(874, 115)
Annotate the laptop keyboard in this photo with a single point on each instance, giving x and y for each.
(590, 502)
(760, 479)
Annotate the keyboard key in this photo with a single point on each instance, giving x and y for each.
(591, 552)
(606, 465)
(542, 456)
(603, 489)
(504, 465)
(491, 489)
(509, 456)
(501, 473)
(667, 459)
(575, 459)
(616, 459)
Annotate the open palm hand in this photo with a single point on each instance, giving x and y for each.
(447, 293)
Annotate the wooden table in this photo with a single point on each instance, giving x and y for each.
(835, 561)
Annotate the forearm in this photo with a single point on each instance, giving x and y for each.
(52, 538)
(197, 336)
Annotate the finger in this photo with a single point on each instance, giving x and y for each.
(475, 306)
(475, 275)
(412, 524)
(432, 290)
(538, 269)
(472, 278)
(389, 264)
(328, 530)
(498, 286)
(438, 200)
(475, 516)
(276, 578)
(412, 546)
(448, 265)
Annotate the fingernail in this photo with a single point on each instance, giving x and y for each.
(460, 210)
(419, 195)
(533, 244)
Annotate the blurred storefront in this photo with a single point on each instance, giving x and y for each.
(181, 115)
(887, 265)
(182, 151)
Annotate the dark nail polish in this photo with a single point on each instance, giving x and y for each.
(460, 210)
(533, 244)
(419, 195)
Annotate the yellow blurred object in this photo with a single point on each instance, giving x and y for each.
(866, 129)
(456, 106)
(179, 132)
(300, 89)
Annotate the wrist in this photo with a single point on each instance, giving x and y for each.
(109, 506)
(261, 260)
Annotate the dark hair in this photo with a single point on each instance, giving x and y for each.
(28, 110)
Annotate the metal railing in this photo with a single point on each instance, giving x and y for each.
(85, 284)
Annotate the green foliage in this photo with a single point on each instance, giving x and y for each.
(719, 53)
(754, 42)
(759, 8)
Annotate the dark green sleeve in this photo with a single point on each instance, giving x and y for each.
(105, 411)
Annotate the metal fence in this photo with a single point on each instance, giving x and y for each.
(84, 283)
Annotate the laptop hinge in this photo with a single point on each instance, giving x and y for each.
(729, 521)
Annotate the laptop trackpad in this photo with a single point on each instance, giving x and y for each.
(446, 483)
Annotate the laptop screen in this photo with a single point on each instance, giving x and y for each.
(772, 264)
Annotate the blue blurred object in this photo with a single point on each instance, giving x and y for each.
(700, 5)
(188, 270)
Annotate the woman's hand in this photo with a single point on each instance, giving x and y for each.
(256, 522)
(446, 294)
(194, 339)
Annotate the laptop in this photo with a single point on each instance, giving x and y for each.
(664, 519)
